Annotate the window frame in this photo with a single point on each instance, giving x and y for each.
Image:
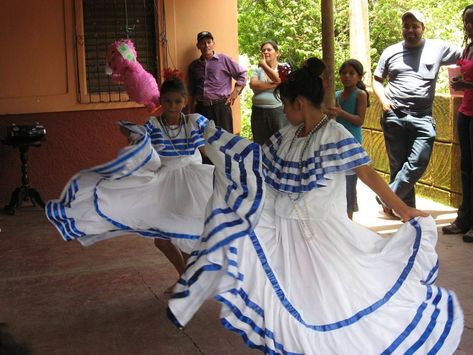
(116, 99)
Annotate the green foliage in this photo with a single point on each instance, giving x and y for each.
(296, 26)
(442, 17)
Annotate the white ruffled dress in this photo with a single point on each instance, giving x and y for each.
(294, 274)
(157, 188)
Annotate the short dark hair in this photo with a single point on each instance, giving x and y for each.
(174, 85)
(272, 43)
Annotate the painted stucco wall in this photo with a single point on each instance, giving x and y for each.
(39, 83)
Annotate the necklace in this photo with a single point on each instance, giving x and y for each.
(166, 130)
(304, 221)
(307, 140)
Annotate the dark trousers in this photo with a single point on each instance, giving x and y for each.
(265, 122)
(465, 137)
(220, 113)
(409, 141)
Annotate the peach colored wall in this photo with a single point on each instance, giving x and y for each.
(39, 82)
(198, 16)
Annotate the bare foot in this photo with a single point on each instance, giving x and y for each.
(168, 291)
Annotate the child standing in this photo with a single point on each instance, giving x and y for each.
(350, 111)
(156, 188)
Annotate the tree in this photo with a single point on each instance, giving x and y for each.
(296, 26)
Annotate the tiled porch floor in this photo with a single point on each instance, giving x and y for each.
(61, 298)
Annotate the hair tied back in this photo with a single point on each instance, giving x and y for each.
(314, 66)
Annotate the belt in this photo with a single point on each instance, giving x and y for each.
(206, 103)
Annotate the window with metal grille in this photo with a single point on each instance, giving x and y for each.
(100, 23)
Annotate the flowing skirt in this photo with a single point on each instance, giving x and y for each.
(135, 193)
(324, 286)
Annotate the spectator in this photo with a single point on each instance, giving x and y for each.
(350, 111)
(463, 224)
(267, 116)
(210, 83)
(410, 67)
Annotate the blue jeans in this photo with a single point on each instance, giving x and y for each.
(265, 122)
(409, 141)
(465, 137)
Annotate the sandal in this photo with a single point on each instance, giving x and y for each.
(454, 228)
(386, 210)
(468, 236)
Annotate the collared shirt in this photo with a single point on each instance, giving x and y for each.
(212, 79)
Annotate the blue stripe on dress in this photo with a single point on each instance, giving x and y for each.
(430, 327)
(153, 232)
(415, 321)
(178, 146)
(319, 181)
(356, 317)
(313, 171)
(263, 333)
(446, 329)
(106, 168)
(66, 226)
(432, 276)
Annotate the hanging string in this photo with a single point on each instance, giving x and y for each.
(128, 29)
(163, 35)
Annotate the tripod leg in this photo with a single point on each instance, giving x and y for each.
(35, 197)
(14, 201)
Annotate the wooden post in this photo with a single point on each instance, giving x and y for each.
(328, 49)
(360, 36)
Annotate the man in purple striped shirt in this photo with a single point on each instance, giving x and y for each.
(210, 83)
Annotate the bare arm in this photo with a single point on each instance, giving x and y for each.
(234, 94)
(378, 88)
(202, 151)
(359, 117)
(372, 179)
(272, 74)
(258, 85)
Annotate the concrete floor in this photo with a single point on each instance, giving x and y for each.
(61, 298)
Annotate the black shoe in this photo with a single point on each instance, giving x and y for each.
(468, 236)
(454, 228)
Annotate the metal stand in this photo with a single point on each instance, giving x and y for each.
(24, 192)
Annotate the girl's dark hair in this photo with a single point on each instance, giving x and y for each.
(173, 82)
(465, 35)
(306, 82)
(272, 43)
(356, 64)
(174, 85)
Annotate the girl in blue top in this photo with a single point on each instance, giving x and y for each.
(352, 102)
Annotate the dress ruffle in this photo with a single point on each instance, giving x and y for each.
(139, 192)
(335, 150)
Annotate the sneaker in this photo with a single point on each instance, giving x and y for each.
(468, 236)
(454, 228)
